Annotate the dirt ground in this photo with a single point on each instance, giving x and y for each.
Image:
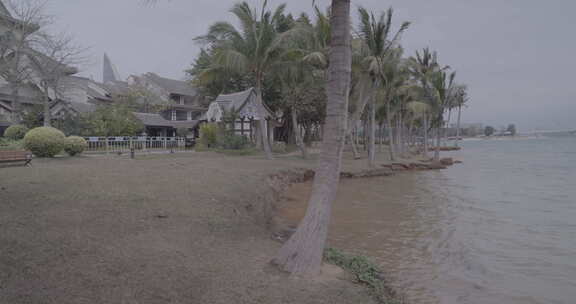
(158, 229)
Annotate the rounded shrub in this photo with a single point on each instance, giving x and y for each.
(16, 132)
(44, 141)
(231, 141)
(75, 145)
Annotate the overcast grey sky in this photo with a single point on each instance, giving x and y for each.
(515, 55)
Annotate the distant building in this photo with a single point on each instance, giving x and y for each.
(181, 104)
(241, 112)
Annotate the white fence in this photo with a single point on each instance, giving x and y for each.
(139, 144)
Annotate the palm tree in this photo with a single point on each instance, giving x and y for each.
(442, 89)
(302, 253)
(252, 49)
(379, 42)
(422, 67)
(461, 99)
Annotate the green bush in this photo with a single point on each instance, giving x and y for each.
(16, 132)
(9, 144)
(231, 141)
(75, 145)
(209, 135)
(44, 141)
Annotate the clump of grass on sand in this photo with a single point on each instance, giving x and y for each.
(365, 272)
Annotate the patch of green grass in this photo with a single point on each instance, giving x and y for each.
(365, 272)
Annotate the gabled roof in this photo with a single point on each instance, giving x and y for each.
(172, 86)
(3, 10)
(41, 60)
(238, 100)
(235, 100)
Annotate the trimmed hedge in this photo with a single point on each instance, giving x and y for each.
(74, 145)
(44, 141)
(16, 132)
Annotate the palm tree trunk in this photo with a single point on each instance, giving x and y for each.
(426, 135)
(352, 137)
(372, 135)
(299, 142)
(446, 129)
(458, 126)
(390, 131)
(302, 253)
(438, 142)
(262, 121)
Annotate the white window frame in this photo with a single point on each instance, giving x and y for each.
(173, 115)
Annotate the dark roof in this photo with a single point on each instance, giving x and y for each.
(81, 107)
(28, 93)
(156, 120)
(5, 105)
(185, 107)
(78, 107)
(3, 10)
(234, 101)
(88, 85)
(171, 85)
(41, 60)
(117, 87)
(238, 100)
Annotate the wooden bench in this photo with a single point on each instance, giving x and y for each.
(15, 156)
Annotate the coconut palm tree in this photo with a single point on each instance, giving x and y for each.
(423, 66)
(442, 92)
(302, 253)
(379, 42)
(252, 49)
(461, 99)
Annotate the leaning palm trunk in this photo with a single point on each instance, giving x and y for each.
(355, 117)
(262, 122)
(302, 253)
(458, 126)
(372, 135)
(298, 136)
